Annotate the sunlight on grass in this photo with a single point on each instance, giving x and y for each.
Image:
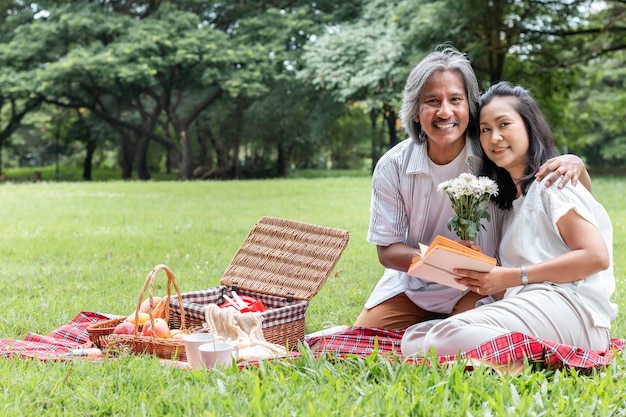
(70, 247)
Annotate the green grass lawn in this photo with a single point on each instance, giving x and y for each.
(71, 247)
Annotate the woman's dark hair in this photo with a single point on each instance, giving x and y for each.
(541, 145)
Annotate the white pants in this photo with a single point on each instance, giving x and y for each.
(542, 310)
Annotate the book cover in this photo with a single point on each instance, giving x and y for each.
(443, 255)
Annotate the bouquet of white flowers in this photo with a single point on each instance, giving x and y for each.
(469, 196)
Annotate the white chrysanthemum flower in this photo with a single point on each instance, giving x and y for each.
(469, 196)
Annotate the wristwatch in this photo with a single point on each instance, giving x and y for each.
(524, 276)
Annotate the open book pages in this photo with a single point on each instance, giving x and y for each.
(442, 256)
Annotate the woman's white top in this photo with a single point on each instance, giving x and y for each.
(530, 235)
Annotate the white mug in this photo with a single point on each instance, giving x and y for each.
(192, 342)
(217, 354)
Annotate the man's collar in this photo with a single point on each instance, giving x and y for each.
(418, 162)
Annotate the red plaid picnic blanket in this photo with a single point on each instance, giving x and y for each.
(363, 341)
(55, 345)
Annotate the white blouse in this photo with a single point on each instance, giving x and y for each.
(530, 235)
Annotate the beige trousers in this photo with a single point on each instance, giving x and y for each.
(542, 310)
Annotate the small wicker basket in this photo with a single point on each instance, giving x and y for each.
(99, 332)
(163, 348)
(283, 263)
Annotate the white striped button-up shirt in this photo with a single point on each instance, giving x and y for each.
(401, 198)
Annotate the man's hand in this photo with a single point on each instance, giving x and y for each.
(570, 167)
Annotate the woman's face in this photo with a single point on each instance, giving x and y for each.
(503, 135)
(443, 112)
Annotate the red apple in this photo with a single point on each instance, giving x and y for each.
(160, 329)
(124, 327)
(147, 329)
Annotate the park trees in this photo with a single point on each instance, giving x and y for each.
(148, 78)
(236, 89)
(152, 71)
(364, 61)
(594, 119)
(538, 43)
(16, 98)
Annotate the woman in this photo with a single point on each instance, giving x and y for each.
(556, 277)
(439, 112)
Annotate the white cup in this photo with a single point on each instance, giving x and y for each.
(218, 354)
(192, 342)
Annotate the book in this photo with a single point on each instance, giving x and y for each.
(437, 261)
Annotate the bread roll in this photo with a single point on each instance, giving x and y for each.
(158, 307)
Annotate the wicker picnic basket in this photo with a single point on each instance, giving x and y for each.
(283, 263)
(99, 332)
(163, 348)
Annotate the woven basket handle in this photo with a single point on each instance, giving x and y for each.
(171, 281)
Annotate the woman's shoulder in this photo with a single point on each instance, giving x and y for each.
(560, 200)
(574, 192)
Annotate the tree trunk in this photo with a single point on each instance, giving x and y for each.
(91, 149)
(141, 157)
(186, 162)
(221, 152)
(15, 120)
(238, 120)
(281, 169)
(374, 151)
(126, 155)
(391, 118)
(203, 150)
(182, 128)
(223, 141)
(284, 159)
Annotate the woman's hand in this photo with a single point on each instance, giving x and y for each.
(489, 283)
(571, 167)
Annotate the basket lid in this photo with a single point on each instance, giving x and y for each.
(286, 258)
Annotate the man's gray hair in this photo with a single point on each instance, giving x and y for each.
(443, 59)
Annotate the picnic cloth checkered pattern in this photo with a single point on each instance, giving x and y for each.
(278, 310)
(56, 344)
(362, 341)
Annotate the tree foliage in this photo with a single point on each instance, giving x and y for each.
(540, 44)
(236, 89)
(599, 109)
